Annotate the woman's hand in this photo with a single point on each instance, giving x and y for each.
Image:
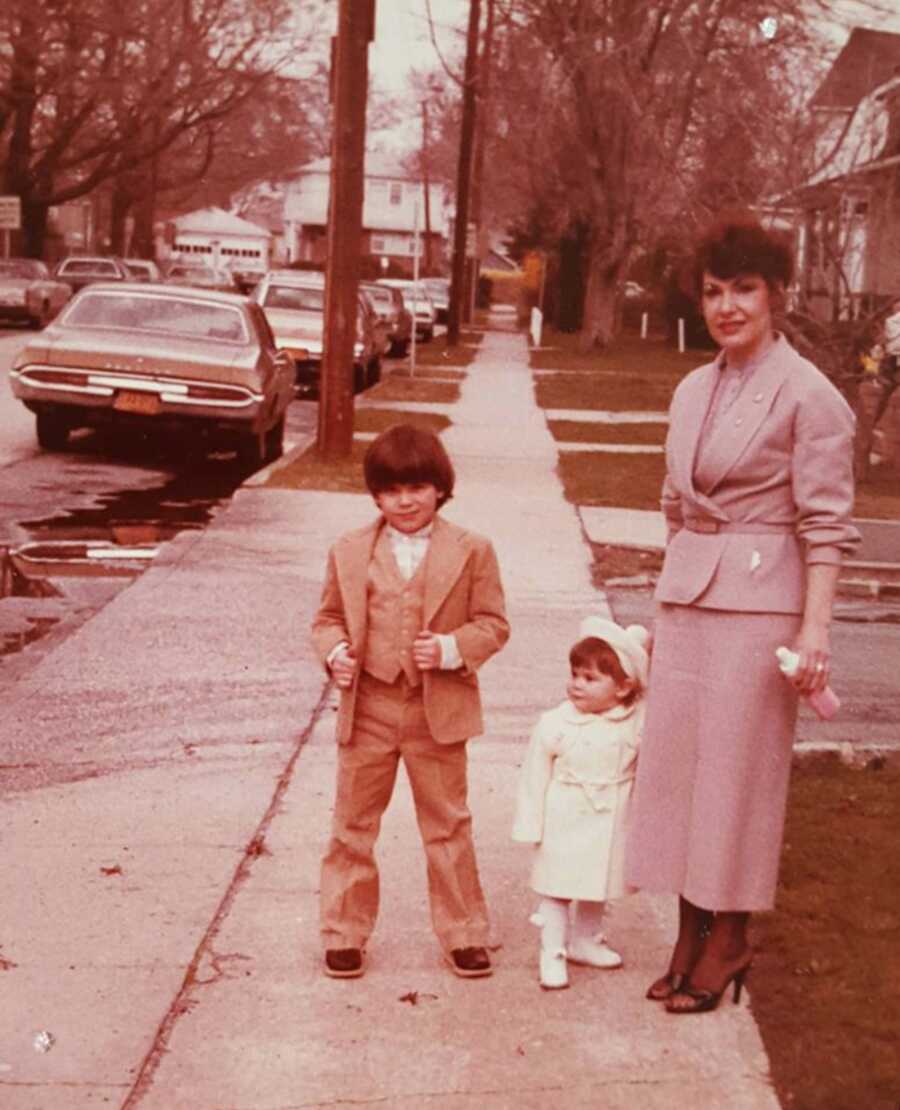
(814, 648)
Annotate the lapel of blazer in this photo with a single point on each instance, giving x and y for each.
(684, 435)
(352, 559)
(737, 428)
(447, 554)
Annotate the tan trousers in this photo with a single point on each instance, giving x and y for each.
(389, 724)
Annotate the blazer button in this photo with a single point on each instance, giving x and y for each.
(758, 398)
(739, 421)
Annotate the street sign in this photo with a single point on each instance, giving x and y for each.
(10, 213)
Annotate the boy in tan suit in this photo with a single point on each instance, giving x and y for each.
(411, 607)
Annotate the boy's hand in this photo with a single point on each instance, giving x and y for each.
(426, 651)
(343, 668)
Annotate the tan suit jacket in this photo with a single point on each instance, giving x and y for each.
(463, 596)
(779, 461)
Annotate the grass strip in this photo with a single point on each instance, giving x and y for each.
(825, 983)
(624, 393)
(628, 355)
(609, 478)
(398, 388)
(379, 420)
(572, 431)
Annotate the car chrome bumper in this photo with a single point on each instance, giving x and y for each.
(63, 385)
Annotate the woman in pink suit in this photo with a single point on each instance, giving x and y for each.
(757, 498)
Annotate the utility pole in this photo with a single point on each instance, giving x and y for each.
(464, 175)
(349, 81)
(481, 127)
(426, 187)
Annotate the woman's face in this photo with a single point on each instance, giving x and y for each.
(738, 313)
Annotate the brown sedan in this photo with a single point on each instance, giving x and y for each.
(196, 361)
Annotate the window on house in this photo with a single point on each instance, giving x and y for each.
(379, 244)
(396, 194)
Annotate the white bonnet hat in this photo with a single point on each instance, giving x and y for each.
(629, 644)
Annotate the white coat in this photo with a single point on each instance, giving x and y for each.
(573, 798)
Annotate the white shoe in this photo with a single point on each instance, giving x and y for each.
(554, 974)
(593, 952)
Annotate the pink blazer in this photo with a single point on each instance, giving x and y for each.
(463, 595)
(778, 489)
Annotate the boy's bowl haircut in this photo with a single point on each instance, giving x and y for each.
(407, 455)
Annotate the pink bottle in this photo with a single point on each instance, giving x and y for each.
(825, 702)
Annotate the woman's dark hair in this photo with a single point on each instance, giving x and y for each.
(592, 651)
(404, 455)
(741, 245)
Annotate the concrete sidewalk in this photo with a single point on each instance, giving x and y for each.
(160, 896)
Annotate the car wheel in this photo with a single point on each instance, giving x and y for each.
(43, 318)
(374, 376)
(400, 349)
(359, 378)
(52, 430)
(275, 441)
(251, 450)
(428, 336)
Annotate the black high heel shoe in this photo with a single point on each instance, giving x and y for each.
(672, 982)
(667, 985)
(703, 1000)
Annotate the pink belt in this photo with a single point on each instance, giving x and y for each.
(707, 524)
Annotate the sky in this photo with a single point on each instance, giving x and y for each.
(402, 38)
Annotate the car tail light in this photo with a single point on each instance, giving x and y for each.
(217, 392)
(57, 377)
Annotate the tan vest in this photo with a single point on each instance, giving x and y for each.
(395, 609)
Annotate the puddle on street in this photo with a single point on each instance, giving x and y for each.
(114, 535)
(154, 515)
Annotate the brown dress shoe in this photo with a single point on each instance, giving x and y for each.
(343, 963)
(470, 963)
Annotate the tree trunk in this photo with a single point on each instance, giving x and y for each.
(34, 227)
(119, 207)
(599, 323)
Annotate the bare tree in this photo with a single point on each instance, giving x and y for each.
(92, 90)
(634, 116)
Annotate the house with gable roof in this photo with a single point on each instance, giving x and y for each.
(394, 216)
(848, 209)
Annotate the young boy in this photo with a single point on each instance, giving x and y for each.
(411, 607)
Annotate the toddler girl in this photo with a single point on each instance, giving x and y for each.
(574, 792)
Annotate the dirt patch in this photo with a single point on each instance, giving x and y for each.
(825, 982)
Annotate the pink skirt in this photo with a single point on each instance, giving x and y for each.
(715, 760)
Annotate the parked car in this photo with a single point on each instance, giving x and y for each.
(438, 289)
(199, 276)
(391, 307)
(419, 304)
(77, 271)
(380, 328)
(201, 363)
(294, 304)
(29, 293)
(142, 269)
(246, 277)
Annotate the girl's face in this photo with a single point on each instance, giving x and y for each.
(592, 691)
(408, 506)
(738, 313)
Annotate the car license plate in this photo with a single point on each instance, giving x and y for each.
(147, 404)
